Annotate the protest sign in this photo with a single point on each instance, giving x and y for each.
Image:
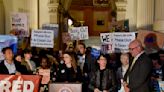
(55, 28)
(121, 41)
(116, 42)
(21, 83)
(19, 24)
(42, 38)
(8, 41)
(78, 33)
(106, 38)
(107, 48)
(45, 75)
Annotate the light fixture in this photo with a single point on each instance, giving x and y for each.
(70, 22)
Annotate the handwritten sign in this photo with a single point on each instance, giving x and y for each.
(116, 42)
(19, 24)
(42, 38)
(106, 38)
(107, 48)
(79, 33)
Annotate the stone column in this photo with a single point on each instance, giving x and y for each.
(131, 14)
(159, 16)
(159, 10)
(145, 14)
(121, 10)
(48, 11)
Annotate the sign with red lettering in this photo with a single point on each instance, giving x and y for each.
(21, 83)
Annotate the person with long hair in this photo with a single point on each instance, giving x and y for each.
(69, 71)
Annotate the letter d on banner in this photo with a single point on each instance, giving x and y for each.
(28, 86)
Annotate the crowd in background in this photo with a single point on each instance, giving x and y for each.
(104, 73)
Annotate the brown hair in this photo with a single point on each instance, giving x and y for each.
(73, 62)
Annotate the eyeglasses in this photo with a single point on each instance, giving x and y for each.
(131, 49)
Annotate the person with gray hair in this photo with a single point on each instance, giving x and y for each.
(137, 78)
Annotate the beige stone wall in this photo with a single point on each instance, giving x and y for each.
(26, 6)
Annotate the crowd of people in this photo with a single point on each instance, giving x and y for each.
(116, 72)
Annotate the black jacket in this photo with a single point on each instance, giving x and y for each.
(139, 75)
(108, 80)
(68, 74)
(20, 68)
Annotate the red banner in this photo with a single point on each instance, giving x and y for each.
(19, 83)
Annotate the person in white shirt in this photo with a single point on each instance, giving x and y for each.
(9, 66)
(124, 58)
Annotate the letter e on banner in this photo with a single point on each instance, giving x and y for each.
(17, 86)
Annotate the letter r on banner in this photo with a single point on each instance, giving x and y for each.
(4, 86)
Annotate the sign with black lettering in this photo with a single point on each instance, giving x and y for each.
(79, 33)
(116, 42)
(42, 38)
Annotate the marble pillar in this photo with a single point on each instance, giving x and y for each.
(159, 16)
(145, 14)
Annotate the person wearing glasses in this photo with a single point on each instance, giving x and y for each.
(137, 78)
(104, 79)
